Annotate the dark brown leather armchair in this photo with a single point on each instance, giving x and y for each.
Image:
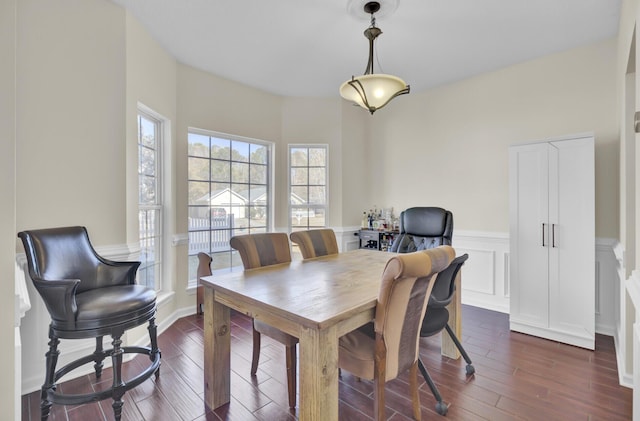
(88, 296)
(423, 228)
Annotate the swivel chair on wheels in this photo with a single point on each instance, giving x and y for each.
(437, 318)
(424, 228)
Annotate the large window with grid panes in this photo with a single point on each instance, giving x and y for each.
(230, 194)
(308, 181)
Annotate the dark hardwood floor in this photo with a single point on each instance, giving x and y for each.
(517, 377)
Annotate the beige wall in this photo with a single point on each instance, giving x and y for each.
(209, 102)
(448, 146)
(7, 204)
(356, 165)
(70, 117)
(151, 81)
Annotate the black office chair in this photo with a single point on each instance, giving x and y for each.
(437, 318)
(88, 296)
(424, 228)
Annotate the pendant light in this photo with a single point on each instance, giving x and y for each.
(372, 91)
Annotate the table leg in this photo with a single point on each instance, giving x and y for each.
(448, 348)
(217, 351)
(319, 374)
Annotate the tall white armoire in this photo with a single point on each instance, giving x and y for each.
(552, 239)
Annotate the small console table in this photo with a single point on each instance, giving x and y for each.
(376, 239)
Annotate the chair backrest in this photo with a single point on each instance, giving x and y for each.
(444, 286)
(407, 281)
(315, 243)
(423, 228)
(55, 254)
(204, 265)
(266, 249)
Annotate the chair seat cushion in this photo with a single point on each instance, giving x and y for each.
(434, 321)
(356, 351)
(274, 333)
(112, 306)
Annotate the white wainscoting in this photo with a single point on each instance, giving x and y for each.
(623, 304)
(485, 275)
(633, 290)
(606, 285)
(22, 304)
(347, 238)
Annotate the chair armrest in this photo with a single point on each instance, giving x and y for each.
(117, 273)
(60, 297)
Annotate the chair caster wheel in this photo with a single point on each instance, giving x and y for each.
(442, 408)
(470, 370)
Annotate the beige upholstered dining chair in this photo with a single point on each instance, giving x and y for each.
(315, 243)
(389, 346)
(259, 250)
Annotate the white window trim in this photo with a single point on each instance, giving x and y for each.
(289, 206)
(164, 191)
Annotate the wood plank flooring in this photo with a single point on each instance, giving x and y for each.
(518, 377)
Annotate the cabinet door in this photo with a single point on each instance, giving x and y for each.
(572, 245)
(529, 234)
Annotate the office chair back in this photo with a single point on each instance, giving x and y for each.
(437, 315)
(422, 228)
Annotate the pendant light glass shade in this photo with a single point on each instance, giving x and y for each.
(372, 91)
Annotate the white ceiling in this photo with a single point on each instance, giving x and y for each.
(309, 47)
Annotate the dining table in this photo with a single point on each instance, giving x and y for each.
(316, 300)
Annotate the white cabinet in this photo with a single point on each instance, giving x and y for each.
(552, 239)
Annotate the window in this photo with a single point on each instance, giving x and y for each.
(308, 174)
(229, 194)
(150, 199)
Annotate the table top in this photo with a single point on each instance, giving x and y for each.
(316, 293)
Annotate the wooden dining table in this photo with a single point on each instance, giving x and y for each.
(316, 300)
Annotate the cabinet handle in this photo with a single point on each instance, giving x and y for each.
(543, 224)
(553, 235)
